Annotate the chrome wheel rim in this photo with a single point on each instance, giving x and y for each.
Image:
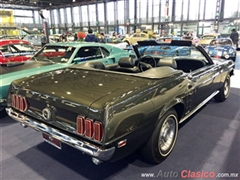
(167, 134)
(226, 88)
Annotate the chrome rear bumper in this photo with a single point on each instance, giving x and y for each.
(90, 149)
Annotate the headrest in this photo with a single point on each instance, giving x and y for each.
(126, 62)
(167, 62)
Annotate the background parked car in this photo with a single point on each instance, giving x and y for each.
(56, 56)
(207, 38)
(15, 50)
(222, 48)
(134, 38)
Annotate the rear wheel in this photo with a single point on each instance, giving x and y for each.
(163, 139)
(3, 113)
(233, 58)
(224, 91)
(127, 43)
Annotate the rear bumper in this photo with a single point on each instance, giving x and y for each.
(86, 147)
(2, 104)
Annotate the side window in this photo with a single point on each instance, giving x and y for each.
(5, 49)
(23, 47)
(195, 53)
(104, 52)
(87, 53)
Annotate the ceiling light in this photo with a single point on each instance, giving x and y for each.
(74, 0)
(50, 4)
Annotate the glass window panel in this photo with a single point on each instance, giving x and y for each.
(76, 16)
(178, 10)
(101, 17)
(156, 11)
(201, 9)
(110, 11)
(143, 8)
(55, 16)
(193, 10)
(37, 17)
(150, 8)
(62, 15)
(131, 9)
(231, 10)
(22, 12)
(211, 9)
(69, 16)
(84, 13)
(92, 13)
(163, 11)
(120, 6)
(170, 10)
(185, 10)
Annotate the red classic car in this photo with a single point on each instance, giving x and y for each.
(15, 50)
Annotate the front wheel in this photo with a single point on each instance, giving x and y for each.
(163, 139)
(224, 91)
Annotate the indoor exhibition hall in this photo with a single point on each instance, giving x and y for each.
(119, 89)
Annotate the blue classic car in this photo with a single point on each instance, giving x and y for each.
(165, 50)
(222, 48)
(55, 56)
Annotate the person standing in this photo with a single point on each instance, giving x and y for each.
(102, 39)
(43, 39)
(235, 37)
(90, 37)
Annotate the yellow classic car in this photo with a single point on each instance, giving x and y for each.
(207, 38)
(134, 38)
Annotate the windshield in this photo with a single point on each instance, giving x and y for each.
(164, 50)
(209, 37)
(221, 42)
(56, 54)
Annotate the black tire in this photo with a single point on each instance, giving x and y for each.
(176, 53)
(233, 58)
(3, 113)
(224, 91)
(163, 139)
(127, 43)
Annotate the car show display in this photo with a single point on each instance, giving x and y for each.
(109, 110)
(56, 56)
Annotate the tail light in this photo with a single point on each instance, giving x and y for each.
(98, 131)
(90, 129)
(19, 102)
(80, 125)
(1, 54)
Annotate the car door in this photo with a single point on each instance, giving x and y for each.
(203, 83)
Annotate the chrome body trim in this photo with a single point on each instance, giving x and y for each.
(3, 100)
(85, 147)
(199, 106)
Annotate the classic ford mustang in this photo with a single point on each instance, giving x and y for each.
(108, 113)
(56, 56)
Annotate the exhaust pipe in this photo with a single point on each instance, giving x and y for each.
(96, 161)
(24, 125)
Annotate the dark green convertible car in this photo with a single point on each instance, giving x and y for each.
(108, 113)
